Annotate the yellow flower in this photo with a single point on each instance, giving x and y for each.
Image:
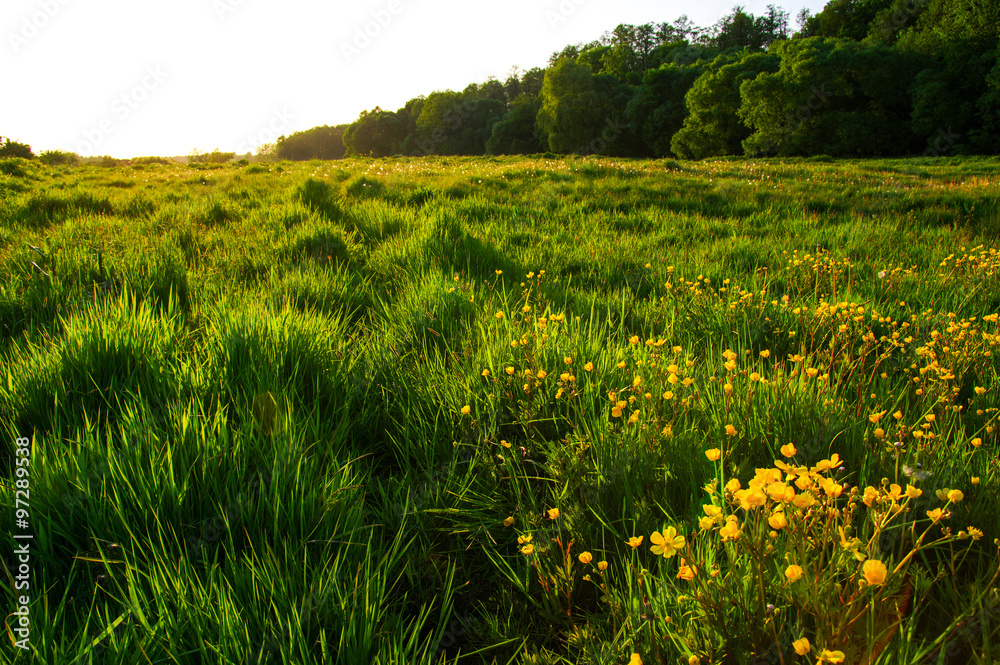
(602, 566)
(935, 514)
(765, 353)
(508, 521)
(498, 272)
(553, 513)
(930, 417)
(634, 339)
(793, 573)
(796, 358)
(510, 370)
(831, 657)
(713, 454)
(879, 432)
(621, 365)
(897, 415)
(976, 442)
(871, 496)
(913, 492)
(686, 572)
(875, 572)
(635, 660)
(505, 444)
(616, 411)
(705, 523)
(895, 492)
(875, 417)
(731, 531)
(778, 521)
(812, 372)
(728, 388)
(980, 390)
(499, 315)
(802, 646)
(541, 374)
(521, 540)
(586, 557)
(733, 485)
(635, 541)
(486, 372)
(588, 367)
(667, 544)
(668, 395)
(788, 450)
(568, 360)
(527, 549)
(730, 430)
(466, 409)
(955, 496)
(754, 376)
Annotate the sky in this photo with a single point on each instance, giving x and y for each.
(132, 78)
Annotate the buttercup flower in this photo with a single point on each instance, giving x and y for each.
(802, 646)
(466, 409)
(793, 573)
(586, 557)
(713, 454)
(508, 521)
(730, 430)
(875, 572)
(667, 544)
(635, 541)
(788, 450)
(553, 513)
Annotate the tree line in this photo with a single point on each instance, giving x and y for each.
(860, 78)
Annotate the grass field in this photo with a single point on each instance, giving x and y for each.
(420, 410)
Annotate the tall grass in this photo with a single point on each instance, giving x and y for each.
(423, 410)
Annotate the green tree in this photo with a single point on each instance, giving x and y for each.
(830, 96)
(375, 133)
(713, 126)
(658, 110)
(10, 148)
(323, 142)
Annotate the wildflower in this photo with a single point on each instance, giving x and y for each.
(586, 557)
(686, 572)
(508, 521)
(730, 430)
(897, 415)
(765, 353)
(466, 409)
(812, 372)
(935, 514)
(553, 513)
(510, 370)
(694, 660)
(802, 646)
(667, 544)
(486, 372)
(498, 272)
(588, 367)
(754, 376)
(728, 388)
(499, 315)
(731, 531)
(895, 492)
(804, 500)
(634, 339)
(668, 395)
(875, 417)
(955, 496)
(778, 521)
(505, 444)
(542, 374)
(733, 485)
(602, 566)
(976, 442)
(788, 450)
(980, 390)
(793, 573)
(713, 454)
(975, 480)
(527, 550)
(635, 660)
(827, 464)
(522, 540)
(831, 657)
(875, 572)
(635, 541)
(568, 360)
(796, 358)
(879, 432)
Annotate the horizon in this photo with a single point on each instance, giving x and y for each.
(231, 57)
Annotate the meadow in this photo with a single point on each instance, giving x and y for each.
(503, 410)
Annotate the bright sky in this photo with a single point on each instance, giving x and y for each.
(132, 78)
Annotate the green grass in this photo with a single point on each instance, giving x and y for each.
(244, 389)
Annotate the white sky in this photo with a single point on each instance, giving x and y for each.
(137, 77)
